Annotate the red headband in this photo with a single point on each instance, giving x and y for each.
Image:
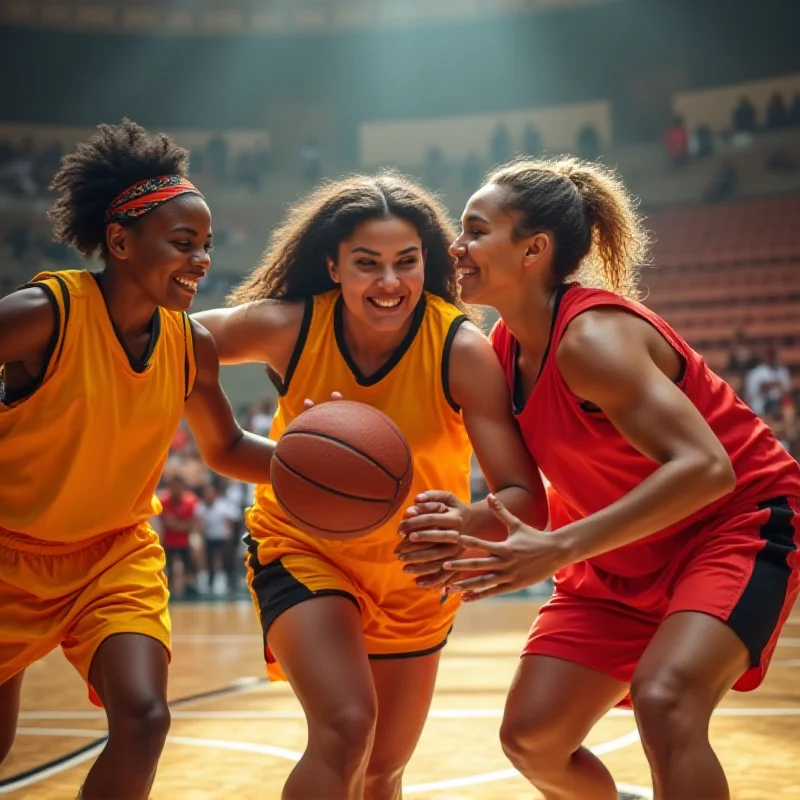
(146, 195)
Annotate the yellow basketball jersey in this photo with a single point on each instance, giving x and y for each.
(82, 453)
(411, 388)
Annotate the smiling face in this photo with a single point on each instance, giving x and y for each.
(166, 252)
(492, 261)
(381, 271)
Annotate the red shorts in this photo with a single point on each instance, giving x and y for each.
(744, 570)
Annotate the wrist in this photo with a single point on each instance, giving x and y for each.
(469, 521)
(571, 544)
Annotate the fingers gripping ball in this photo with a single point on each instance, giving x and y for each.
(341, 469)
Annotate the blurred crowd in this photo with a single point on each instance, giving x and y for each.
(765, 384)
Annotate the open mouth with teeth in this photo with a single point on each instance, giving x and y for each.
(189, 284)
(386, 303)
(466, 271)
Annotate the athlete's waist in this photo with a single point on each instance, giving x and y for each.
(22, 542)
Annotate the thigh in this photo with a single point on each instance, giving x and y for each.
(603, 636)
(127, 595)
(319, 644)
(404, 687)
(694, 658)
(560, 699)
(747, 575)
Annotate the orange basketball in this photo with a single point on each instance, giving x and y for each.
(341, 469)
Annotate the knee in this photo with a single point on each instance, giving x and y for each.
(665, 709)
(530, 743)
(347, 735)
(144, 722)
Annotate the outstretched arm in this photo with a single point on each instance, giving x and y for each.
(262, 332)
(223, 445)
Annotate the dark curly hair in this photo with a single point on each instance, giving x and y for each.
(294, 265)
(100, 169)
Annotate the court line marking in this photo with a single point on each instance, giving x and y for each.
(435, 713)
(291, 755)
(72, 759)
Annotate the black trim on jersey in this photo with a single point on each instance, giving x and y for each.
(370, 380)
(138, 365)
(12, 396)
(67, 307)
(448, 346)
(193, 332)
(282, 384)
(518, 402)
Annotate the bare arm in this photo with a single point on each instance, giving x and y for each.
(262, 332)
(223, 445)
(478, 385)
(607, 358)
(26, 327)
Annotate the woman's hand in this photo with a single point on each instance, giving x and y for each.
(310, 403)
(430, 533)
(526, 557)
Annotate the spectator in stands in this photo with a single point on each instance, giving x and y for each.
(589, 143)
(676, 141)
(217, 153)
(434, 168)
(743, 356)
(217, 517)
(263, 412)
(767, 384)
(777, 113)
(531, 140)
(311, 158)
(471, 173)
(744, 117)
(704, 141)
(178, 521)
(724, 184)
(501, 144)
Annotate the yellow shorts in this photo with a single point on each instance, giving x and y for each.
(399, 619)
(78, 595)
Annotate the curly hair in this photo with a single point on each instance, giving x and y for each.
(100, 169)
(294, 264)
(598, 232)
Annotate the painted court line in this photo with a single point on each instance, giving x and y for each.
(289, 755)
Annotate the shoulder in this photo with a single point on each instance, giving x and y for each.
(474, 369)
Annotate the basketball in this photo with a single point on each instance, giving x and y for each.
(341, 469)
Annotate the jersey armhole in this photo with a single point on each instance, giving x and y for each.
(60, 303)
(448, 346)
(282, 384)
(190, 357)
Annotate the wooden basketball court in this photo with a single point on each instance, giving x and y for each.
(234, 736)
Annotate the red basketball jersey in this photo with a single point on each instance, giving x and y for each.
(591, 465)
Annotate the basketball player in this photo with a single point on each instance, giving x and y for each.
(676, 556)
(357, 294)
(98, 369)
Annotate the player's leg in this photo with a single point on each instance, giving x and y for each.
(319, 644)
(551, 707)
(9, 712)
(118, 640)
(404, 687)
(692, 662)
(129, 674)
(744, 573)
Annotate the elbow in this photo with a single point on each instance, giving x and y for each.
(717, 474)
